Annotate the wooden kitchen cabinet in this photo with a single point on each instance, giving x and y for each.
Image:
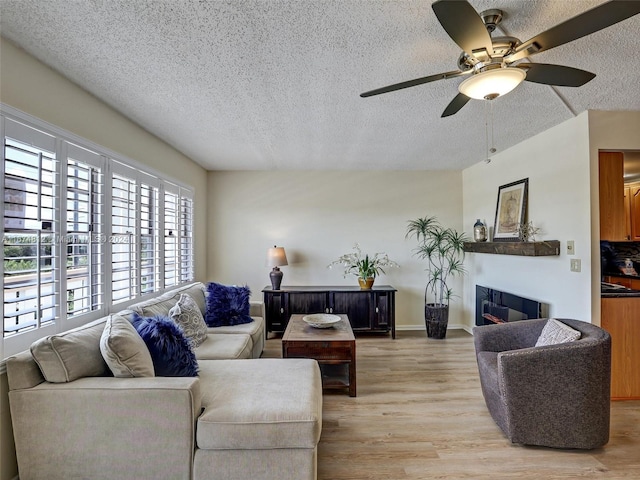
(367, 310)
(633, 218)
(621, 318)
(611, 190)
(627, 211)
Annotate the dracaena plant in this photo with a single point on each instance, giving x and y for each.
(363, 266)
(442, 248)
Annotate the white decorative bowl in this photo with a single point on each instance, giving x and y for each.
(321, 320)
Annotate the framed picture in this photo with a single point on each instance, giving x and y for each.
(510, 210)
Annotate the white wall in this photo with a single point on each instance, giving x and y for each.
(30, 86)
(317, 216)
(556, 162)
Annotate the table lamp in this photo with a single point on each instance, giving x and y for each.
(276, 257)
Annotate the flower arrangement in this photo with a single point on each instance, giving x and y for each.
(363, 266)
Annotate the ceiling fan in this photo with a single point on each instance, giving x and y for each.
(494, 65)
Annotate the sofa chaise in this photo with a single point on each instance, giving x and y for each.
(241, 418)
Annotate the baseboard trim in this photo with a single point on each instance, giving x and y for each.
(419, 328)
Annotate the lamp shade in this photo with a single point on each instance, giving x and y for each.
(492, 83)
(276, 257)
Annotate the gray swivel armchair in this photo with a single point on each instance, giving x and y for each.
(554, 396)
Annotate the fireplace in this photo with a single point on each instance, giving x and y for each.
(494, 306)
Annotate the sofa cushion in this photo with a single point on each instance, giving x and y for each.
(187, 314)
(124, 350)
(225, 347)
(170, 350)
(266, 403)
(255, 330)
(155, 306)
(227, 305)
(70, 355)
(555, 332)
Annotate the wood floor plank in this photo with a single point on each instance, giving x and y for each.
(419, 414)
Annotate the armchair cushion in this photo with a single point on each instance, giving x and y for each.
(555, 332)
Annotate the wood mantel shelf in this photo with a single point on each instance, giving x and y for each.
(527, 249)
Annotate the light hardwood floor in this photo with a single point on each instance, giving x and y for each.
(419, 414)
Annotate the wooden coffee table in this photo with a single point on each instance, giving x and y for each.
(334, 348)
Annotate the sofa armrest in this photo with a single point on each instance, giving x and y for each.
(256, 309)
(95, 427)
(508, 336)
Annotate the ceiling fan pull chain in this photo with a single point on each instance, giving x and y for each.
(492, 150)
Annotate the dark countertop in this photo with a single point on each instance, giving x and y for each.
(610, 290)
(621, 275)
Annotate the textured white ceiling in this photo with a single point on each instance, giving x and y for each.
(275, 84)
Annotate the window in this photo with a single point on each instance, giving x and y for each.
(82, 231)
(29, 253)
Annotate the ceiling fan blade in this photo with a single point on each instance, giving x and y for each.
(586, 23)
(455, 105)
(413, 83)
(556, 74)
(464, 26)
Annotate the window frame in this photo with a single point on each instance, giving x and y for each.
(108, 162)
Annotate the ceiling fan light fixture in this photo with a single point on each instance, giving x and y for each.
(493, 83)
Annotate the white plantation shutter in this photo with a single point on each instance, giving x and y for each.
(171, 235)
(29, 210)
(186, 236)
(124, 254)
(149, 234)
(84, 231)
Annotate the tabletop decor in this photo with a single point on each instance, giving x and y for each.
(366, 267)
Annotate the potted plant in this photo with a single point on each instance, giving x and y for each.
(366, 267)
(442, 248)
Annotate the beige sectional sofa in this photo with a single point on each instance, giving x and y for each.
(242, 418)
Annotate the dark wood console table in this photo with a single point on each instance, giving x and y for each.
(368, 310)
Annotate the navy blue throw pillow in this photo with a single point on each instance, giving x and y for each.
(170, 350)
(227, 305)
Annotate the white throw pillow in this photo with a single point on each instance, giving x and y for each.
(124, 350)
(555, 332)
(186, 313)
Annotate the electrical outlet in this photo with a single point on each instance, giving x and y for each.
(575, 265)
(571, 247)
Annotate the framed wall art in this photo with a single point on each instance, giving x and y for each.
(510, 210)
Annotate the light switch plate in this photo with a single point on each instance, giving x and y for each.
(575, 265)
(571, 247)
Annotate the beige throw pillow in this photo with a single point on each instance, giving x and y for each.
(70, 355)
(186, 313)
(124, 350)
(555, 332)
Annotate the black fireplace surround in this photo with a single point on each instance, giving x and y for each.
(494, 306)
